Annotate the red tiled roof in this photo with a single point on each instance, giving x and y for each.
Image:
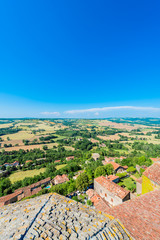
(10, 196)
(57, 161)
(125, 167)
(61, 179)
(115, 165)
(155, 159)
(29, 161)
(69, 158)
(99, 203)
(140, 216)
(90, 193)
(153, 173)
(112, 177)
(34, 184)
(112, 187)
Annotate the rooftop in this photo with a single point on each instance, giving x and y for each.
(112, 177)
(115, 165)
(10, 196)
(52, 216)
(141, 216)
(112, 187)
(153, 172)
(60, 179)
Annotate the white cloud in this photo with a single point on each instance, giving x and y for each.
(112, 108)
(96, 113)
(50, 113)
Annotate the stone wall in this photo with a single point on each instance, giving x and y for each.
(106, 195)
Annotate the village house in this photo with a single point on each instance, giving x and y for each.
(79, 172)
(139, 185)
(155, 159)
(57, 161)
(69, 158)
(7, 165)
(139, 167)
(59, 179)
(11, 198)
(109, 159)
(15, 164)
(113, 178)
(110, 191)
(151, 178)
(23, 192)
(98, 202)
(34, 188)
(112, 159)
(102, 145)
(28, 161)
(118, 168)
(95, 156)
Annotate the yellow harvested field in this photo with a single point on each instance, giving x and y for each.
(6, 125)
(29, 147)
(60, 166)
(20, 175)
(111, 137)
(94, 140)
(125, 126)
(19, 135)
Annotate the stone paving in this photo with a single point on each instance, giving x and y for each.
(52, 216)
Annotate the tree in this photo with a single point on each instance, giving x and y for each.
(131, 169)
(50, 169)
(99, 171)
(89, 202)
(109, 169)
(4, 184)
(72, 187)
(45, 147)
(82, 181)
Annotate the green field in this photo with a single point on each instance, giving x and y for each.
(20, 175)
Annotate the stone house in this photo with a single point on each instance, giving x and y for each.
(95, 156)
(69, 158)
(151, 178)
(110, 191)
(118, 168)
(11, 198)
(113, 178)
(139, 186)
(59, 179)
(15, 164)
(34, 188)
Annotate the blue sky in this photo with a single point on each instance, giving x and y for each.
(60, 56)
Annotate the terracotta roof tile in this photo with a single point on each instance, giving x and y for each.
(115, 165)
(60, 179)
(112, 187)
(153, 173)
(10, 196)
(141, 216)
(99, 203)
(112, 177)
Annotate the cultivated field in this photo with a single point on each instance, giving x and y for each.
(20, 175)
(110, 137)
(124, 126)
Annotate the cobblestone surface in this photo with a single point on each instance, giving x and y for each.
(56, 217)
